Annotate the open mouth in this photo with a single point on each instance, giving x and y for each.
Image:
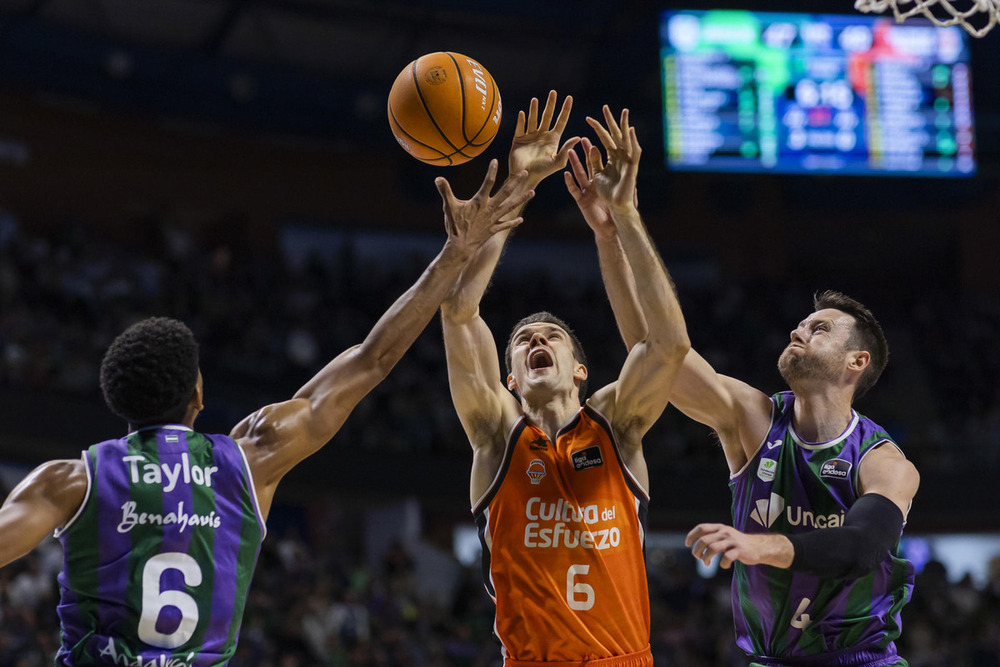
(539, 358)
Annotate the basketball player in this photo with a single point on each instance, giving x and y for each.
(820, 492)
(161, 528)
(559, 489)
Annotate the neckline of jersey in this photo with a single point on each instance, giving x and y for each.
(801, 442)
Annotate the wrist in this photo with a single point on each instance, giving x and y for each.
(607, 236)
(779, 552)
(458, 250)
(623, 211)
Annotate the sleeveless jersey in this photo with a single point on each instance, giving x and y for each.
(159, 557)
(793, 486)
(563, 533)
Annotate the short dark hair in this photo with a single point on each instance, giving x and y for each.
(867, 335)
(545, 316)
(150, 371)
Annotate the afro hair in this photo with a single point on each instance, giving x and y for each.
(150, 371)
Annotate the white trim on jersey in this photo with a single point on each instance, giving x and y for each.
(614, 443)
(253, 492)
(86, 499)
(503, 460)
(815, 446)
(774, 417)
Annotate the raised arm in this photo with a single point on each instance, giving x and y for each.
(619, 282)
(42, 502)
(484, 405)
(278, 436)
(738, 413)
(639, 396)
(535, 150)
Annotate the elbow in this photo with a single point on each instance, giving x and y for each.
(673, 351)
(862, 559)
(381, 365)
(458, 313)
(374, 362)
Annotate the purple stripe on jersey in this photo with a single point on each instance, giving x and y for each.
(179, 500)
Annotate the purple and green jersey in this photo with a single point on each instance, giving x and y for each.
(159, 557)
(792, 618)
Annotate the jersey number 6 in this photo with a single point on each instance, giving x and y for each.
(575, 589)
(154, 599)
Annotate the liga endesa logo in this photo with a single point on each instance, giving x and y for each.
(835, 468)
(587, 458)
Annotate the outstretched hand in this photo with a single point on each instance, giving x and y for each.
(471, 222)
(615, 182)
(708, 539)
(536, 148)
(580, 184)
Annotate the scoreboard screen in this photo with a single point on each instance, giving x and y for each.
(807, 93)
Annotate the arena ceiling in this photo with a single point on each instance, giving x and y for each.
(324, 66)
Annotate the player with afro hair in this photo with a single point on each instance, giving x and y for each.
(149, 372)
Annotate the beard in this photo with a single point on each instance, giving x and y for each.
(797, 367)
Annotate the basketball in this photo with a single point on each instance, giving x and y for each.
(444, 108)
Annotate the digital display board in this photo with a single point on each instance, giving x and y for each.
(808, 93)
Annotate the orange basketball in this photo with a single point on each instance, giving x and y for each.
(444, 108)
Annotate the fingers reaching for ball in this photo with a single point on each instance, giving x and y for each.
(470, 222)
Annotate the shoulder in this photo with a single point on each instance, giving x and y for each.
(872, 435)
(62, 472)
(62, 482)
(782, 401)
(884, 469)
(264, 427)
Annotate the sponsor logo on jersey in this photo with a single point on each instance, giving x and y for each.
(131, 518)
(540, 444)
(767, 511)
(563, 524)
(112, 655)
(835, 468)
(766, 469)
(772, 445)
(587, 458)
(536, 471)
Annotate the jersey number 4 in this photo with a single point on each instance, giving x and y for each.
(154, 600)
(802, 620)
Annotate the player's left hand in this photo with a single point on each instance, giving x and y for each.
(536, 148)
(615, 181)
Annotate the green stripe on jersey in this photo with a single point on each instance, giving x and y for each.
(150, 540)
(203, 504)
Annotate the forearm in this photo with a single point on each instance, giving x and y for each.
(354, 372)
(657, 299)
(871, 527)
(462, 303)
(621, 288)
(400, 325)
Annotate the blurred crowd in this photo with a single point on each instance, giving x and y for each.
(325, 604)
(266, 323)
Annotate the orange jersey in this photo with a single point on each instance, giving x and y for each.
(563, 528)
